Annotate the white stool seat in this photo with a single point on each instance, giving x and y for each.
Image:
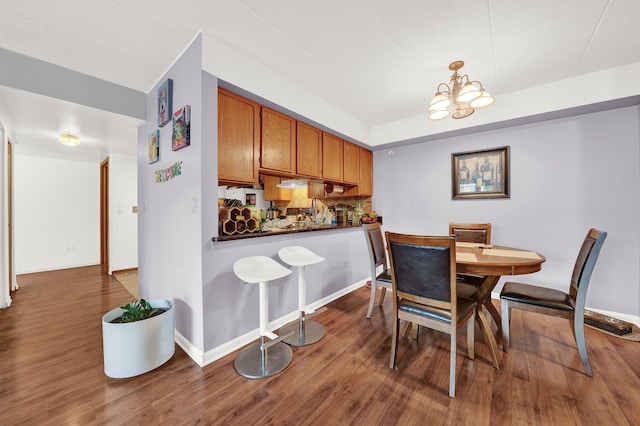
(299, 256)
(255, 269)
(262, 359)
(306, 331)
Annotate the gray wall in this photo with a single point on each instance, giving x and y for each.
(169, 219)
(567, 176)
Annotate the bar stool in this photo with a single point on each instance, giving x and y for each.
(305, 331)
(264, 358)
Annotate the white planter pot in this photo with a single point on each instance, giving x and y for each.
(137, 347)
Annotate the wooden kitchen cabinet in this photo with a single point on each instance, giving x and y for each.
(365, 183)
(351, 163)
(238, 139)
(365, 175)
(308, 151)
(332, 157)
(315, 189)
(272, 192)
(278, 143)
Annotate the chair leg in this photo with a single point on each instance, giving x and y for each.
(406, 329)
(372, 299)
(452, 364)
(506, 314)
(394, 340)
(578, 332)
(471, 342)
(383, 292)
(412, 327)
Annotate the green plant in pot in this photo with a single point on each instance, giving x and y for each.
(137, 311)
(138, 337)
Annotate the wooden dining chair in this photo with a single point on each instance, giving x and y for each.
(468, 283)
(557, 303)
(380, 274)
(471, 233)
(423, 271)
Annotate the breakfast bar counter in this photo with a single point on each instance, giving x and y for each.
(284, 231)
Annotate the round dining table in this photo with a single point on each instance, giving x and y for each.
(492, 262)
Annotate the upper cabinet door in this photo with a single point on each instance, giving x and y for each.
(309, 151)
(272, 192)
(332, 157)
(238, 138)
(351, 172)
(365, 185)
(278, 144)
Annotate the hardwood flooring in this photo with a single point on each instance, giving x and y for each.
(51, 371)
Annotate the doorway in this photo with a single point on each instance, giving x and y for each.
(104, 214)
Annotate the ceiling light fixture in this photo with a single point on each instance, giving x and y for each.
(69, 139)
(292, 184)
(463, 96)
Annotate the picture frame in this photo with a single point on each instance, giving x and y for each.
(181, 136)
(165, 102)
(480, 174)
(154, 146)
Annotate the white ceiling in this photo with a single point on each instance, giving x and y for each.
(374, 62)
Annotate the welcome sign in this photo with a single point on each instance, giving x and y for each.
(169, 173)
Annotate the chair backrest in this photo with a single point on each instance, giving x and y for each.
(375, 244)
(471, 232)
(584, 265)
(423, 268)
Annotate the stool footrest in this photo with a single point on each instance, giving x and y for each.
(314, 313)
(270, 343)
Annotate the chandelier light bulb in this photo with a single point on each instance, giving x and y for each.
(439, 102)
(485, 100)
(468, 93)
(438, 114)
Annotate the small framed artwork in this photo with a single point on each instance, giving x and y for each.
(154, 146)
(480, 174)
(165, 101)
(181, 128)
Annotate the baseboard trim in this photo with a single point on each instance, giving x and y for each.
(124, 271)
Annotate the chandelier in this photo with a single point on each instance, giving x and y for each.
(461, 95)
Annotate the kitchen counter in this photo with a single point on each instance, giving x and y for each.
(285, 231)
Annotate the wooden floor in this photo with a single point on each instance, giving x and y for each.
(51, 372)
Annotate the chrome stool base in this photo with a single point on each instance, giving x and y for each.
(312, 332)
(250, 363)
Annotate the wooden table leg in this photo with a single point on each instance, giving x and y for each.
(489, 338)
(483, 297)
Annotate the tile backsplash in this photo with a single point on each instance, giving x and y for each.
(299, 198)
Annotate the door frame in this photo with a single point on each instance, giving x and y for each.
(13, 284)
(104, 213)
(7, 281)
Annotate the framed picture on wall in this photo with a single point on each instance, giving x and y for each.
(181, 128)
(154, 146)
(165, 100)
(480, 174)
